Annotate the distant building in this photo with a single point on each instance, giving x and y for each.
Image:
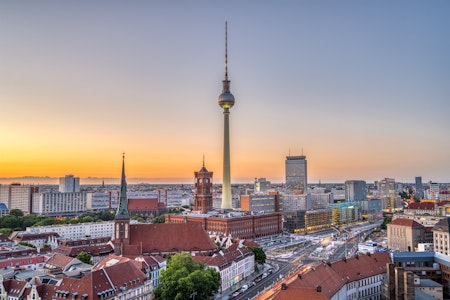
(372, 209)
(69, 184)
(418, 187)
(346, 212)
(261, 185)
(77, 231)
(260, 202)
(17, 196)
(302, 221)
(203, 195)
(238, 225)
(60, 204)
(296, 173)
(294, 202)
(355, 190)
(320, 200)
(433, 191)
(146, 207)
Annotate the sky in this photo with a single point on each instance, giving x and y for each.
(361, 88)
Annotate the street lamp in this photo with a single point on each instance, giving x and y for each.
(192, 296)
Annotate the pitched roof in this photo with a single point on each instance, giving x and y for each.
(293, 293)
(143, 204)
(405, 222)
(59, 260)
(94, 250)
(170, 238)
(106, 280)
(332, 276)
(422, 205)
(443, 225)
(226, 257)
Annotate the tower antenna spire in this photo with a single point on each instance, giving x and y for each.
(226, 50)
(203, 160)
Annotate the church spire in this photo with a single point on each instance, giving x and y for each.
(122, 209)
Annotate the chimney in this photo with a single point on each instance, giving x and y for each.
(399, 283)
(319, 288)
(299, 276)
(283, 286)
(409, 285)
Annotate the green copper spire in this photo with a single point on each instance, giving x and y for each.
(122, 209)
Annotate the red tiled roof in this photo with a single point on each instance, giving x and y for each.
(405, 222)
(59, 260)
(331, 277)
(294, 293)
(170, 238)
(422, 205)
(143, 204)
(442, 203)
(123, 274)
(94, 250)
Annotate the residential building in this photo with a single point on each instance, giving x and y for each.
(441, 236)
(358, 277)
(17, 196)
(60, 204)
(234, 264)
(296, 173)
(151, 265)
(77, 231)
(433, 191)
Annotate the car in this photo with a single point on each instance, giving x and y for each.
(244, 288)
(264, 275)
(235, 294)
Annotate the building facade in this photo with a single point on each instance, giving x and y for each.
(203, 194)
(405, 235)
(355, 190)
(69, 184)
(17, 196)
(60, 204)
(296, 173)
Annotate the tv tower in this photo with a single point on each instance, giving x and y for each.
(226, 101)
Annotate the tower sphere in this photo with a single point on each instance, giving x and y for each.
(226, 100)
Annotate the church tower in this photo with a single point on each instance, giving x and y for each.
(122, 217)
(203, 197)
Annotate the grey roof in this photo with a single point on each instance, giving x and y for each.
(426, 256)
(443, 225)
(421, 295)
(428, 283)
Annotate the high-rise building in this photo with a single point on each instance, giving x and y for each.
(355, 190)
(226, 101)
(433, 191)
(17, 196)
(261, 185)
(203, 195)
(69, 184)
(296, 173)
(419, 187)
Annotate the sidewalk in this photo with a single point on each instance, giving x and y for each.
(225, 295)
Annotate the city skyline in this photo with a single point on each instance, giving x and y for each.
(360, 89)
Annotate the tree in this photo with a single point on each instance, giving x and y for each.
(159, 219)
(184, 277)
(84, 257)
(260, 255)
(16, 212)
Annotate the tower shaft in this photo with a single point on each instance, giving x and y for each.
(226, 184)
